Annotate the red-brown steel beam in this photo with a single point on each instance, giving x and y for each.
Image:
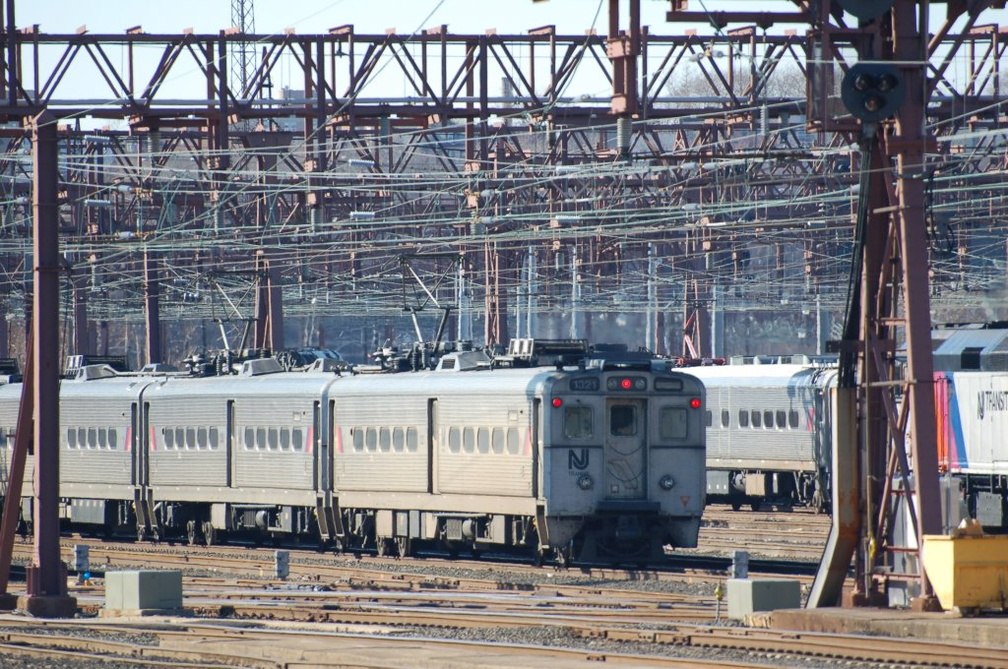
(47, 587)
(448, 87)
(908, 145)
(15, 479)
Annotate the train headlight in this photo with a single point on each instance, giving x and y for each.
(666, 482)
(585, 482)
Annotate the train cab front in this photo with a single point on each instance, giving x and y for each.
(627, 464)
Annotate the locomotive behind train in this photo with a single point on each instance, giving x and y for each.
(591, 456)
(972, 423)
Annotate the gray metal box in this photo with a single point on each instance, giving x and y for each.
(138, 590)
(990, 509)
(748, 595)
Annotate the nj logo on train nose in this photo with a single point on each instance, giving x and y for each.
(577, 459)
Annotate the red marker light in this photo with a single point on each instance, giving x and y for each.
(626, 384)
(557, 402)
(695, 403)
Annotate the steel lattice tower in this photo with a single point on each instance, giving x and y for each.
(242, 63)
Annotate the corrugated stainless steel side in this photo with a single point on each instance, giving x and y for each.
(10, 398)
(182, 466)
(376, 469)
(92, 407)
(501, 398)
(485, 472)
(763, 388)
(275, 467)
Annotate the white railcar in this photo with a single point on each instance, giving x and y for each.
(10, 398)
(768, 433)
(593, 462)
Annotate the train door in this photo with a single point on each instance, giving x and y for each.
(323, 439)
(143, 447)
(133, 443)
(625, 453)
(146, 522)
(229, 444)
(433, 442)
(534, 443)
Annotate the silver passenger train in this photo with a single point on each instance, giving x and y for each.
(769, 431)
(595, 458)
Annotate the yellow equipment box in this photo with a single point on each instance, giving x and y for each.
(968, 572)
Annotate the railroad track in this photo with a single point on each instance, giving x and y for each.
(382, 612)
(294, 642)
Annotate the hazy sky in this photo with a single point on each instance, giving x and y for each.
(317, 16)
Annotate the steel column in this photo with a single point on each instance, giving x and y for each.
(47, 589)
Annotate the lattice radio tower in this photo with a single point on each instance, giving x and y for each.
(243, 53)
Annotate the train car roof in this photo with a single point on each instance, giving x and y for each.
(759, 375)
(281, 383)
(518, 380)
(481, 381)
(476, 381)
(111, 385)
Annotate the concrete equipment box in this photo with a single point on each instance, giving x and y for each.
(748, 595)
(143, 590)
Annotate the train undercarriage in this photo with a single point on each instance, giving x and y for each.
(615, 538)
(760, 489)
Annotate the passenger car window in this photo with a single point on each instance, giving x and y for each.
(673, 423)
(623, 420)
(578, 422)
(513, 436)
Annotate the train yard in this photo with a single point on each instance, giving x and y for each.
(362, 610)
(676, 392)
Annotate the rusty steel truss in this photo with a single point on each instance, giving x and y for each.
(670, 171)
